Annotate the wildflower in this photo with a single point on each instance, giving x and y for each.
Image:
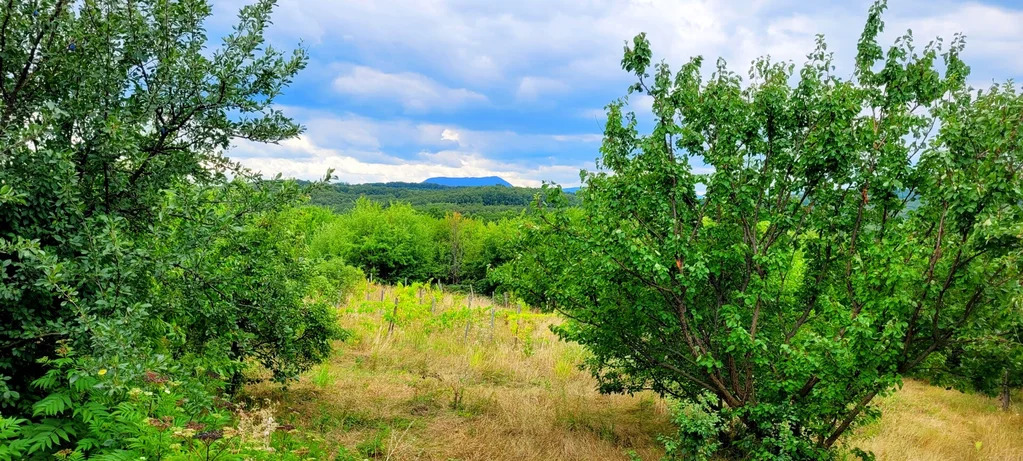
(184, 433)
(102, 371)
(135, 392)
(195, 426)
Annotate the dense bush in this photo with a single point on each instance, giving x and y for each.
(131, 267)
(397, 243)
(801, 284)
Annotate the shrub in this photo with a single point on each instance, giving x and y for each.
(847, 230)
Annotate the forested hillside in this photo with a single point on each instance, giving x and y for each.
(485, 202)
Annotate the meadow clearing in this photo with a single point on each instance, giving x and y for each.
(428, 387)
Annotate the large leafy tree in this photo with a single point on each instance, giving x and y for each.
(849, 229)
(120, 233)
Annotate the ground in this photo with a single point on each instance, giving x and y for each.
(442, 384)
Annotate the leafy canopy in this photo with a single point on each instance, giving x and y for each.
(848, 229)
(125, 234)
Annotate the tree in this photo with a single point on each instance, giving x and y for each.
(392, 243)
(986, 357)
(848, 230)
(121, 237)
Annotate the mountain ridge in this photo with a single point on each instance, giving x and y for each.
(468, 181)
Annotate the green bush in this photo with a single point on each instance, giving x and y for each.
(847, 230)
(126, 252)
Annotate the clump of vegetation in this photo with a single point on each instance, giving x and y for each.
(400, 244)
(802, 283)
(143, 276)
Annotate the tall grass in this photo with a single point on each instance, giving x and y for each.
(422, 389)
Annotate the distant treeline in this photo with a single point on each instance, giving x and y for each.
(483, 202)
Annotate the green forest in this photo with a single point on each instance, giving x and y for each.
(857, 236)
(484, 202)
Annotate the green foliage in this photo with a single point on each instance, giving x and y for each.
(489, 203)
(125, 249)
(802, 283)
(398, 244)
(985, 357)
(698, 428)
(391, 243)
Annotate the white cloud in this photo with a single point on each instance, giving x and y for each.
(449, 135)
(415, 92)
(502, 45)
(362, 149)
(301, 158)
(531, 88)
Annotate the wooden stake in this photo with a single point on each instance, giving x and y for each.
(518, 321)
(492, 310)
(433, 305)
(394, 314)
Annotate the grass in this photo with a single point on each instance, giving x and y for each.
(430, 391)
(923, 422)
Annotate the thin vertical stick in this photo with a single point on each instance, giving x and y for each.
(394, 314)
(468, 321)
(506, 300)
(433, 304)
(381, 293)
(492, 309)
(518, 321)
(420, 295)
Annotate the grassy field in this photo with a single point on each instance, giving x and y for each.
(441, 383)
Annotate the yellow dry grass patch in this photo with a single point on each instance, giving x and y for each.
(922, 422)
(425, 393)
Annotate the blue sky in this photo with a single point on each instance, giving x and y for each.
(405, 90)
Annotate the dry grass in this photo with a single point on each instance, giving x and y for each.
(427, 391)
(923, 422)
(424, 393)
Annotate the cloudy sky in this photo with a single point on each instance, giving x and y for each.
(402, 90)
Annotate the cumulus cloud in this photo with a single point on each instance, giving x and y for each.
(415, 92)
(506, 44)
(361, 149)
(460, 71)
(303, 159)
(531, 88)
(449, 135)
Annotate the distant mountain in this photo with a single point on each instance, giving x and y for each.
(571, 190)
(461, 182)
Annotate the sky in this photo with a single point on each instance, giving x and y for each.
(404, 90)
